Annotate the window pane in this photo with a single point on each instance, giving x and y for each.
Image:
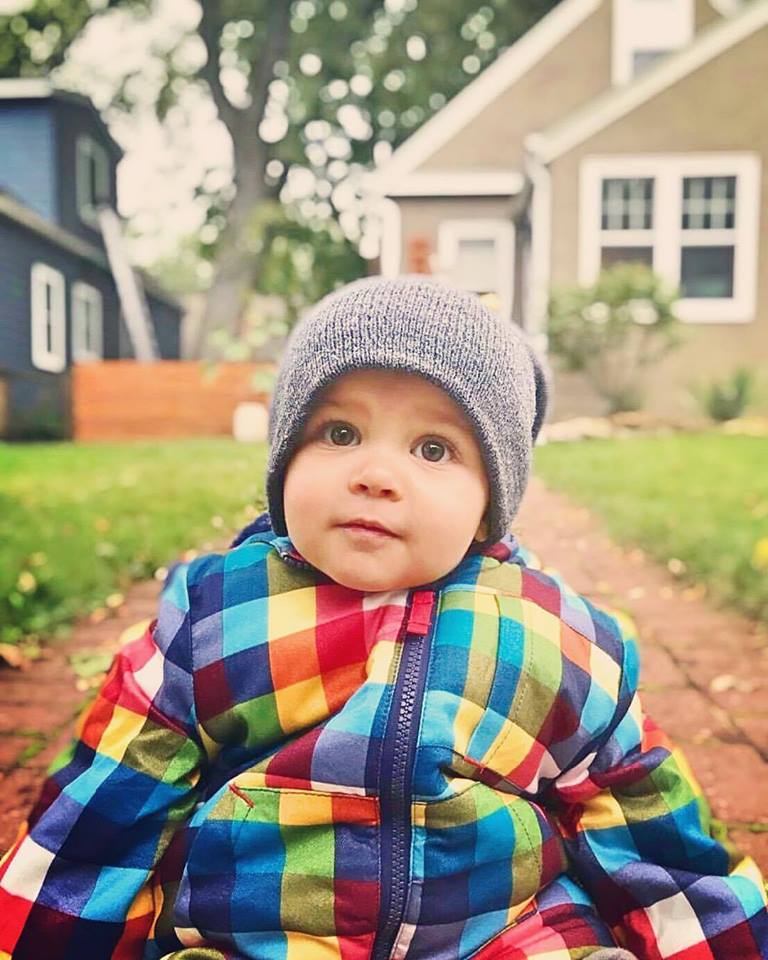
(49, 317)
(611, 255)
(709, 203)
(627, 204)
(642, 59)
(476, 265)
(706, 272)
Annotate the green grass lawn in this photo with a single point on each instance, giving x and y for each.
(78, 522)
(701, 499)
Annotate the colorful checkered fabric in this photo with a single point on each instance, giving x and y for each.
(285, 769)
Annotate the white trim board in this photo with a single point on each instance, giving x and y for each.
(666, 236)
(390, 240)
(606, 109)
(493, 81)
(41, 279)
(458, 183)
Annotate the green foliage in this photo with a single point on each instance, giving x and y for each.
(613, 329)
(700, 499)
(79, 522)
(348, 77)
(727, 399)
(35, 39)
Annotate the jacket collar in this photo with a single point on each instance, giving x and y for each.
(260, 531)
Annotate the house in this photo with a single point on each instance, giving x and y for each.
(68, 293)
(613, 130)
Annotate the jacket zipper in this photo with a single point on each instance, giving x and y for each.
(398, 754)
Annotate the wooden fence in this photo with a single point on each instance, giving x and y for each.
(123, 399)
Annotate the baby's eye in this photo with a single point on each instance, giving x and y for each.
(339, 434)
(435, 451)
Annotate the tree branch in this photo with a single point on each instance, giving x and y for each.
(275, 48)
(211, 23)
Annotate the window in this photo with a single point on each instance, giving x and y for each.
(478, 255)
(48, 320)
(626, 220)
(709, 234)
(692, 217)
(642, 59)
(87, 332)
(91, 179)
(645, 30)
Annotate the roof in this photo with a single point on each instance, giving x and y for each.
(12, 210)
(542, 37)
(611, 106)
(40, 88)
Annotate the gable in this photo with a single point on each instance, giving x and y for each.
(723, 40)
(572, 72)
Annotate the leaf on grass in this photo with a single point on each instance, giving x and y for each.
(89, 663)
(13, 656)
(133, 632)
(760, 554)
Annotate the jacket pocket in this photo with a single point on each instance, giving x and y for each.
(266, 864)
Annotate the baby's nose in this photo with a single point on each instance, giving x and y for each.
(375, 479)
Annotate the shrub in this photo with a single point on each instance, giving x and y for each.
(613, 329)
(727, 399)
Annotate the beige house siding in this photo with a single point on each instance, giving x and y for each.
(703, 14)
(421, 217)
(730, 89)
(572, 73)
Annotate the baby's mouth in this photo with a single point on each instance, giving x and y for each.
(368, 528)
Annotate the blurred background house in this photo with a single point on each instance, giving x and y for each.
(68, 292)
(613, 130)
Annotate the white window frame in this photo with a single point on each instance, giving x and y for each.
(639, 25)
(88, 151)
(87, 306)
(667, 236)
(502, 232)
(52, 359)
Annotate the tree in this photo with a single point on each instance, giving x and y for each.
(312, 89)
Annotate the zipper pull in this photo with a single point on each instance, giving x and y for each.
(420, 617)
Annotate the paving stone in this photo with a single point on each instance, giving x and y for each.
(658, 669)
(11, 749)
(18, 792)
(35, 716)
(733, 777)
(755, 727)
(686, 712)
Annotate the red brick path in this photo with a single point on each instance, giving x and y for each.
(705, 672)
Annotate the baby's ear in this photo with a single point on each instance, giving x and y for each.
(540, 386)
(482, 529)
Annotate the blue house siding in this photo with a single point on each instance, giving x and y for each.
(167, 327)
(27, 148)
(38, 402)
(74, 120)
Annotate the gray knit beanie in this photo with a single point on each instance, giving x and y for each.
(416, 325)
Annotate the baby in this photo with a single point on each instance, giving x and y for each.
(373, 728)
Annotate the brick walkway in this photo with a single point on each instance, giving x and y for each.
(705, 673)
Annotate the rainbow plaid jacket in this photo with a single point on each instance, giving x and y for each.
(282, 768)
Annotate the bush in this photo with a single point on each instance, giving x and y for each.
(613, 329)
(727, 399)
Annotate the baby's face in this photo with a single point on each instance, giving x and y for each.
(389, 449)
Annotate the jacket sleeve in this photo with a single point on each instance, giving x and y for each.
(76, 882)
(637, 830)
